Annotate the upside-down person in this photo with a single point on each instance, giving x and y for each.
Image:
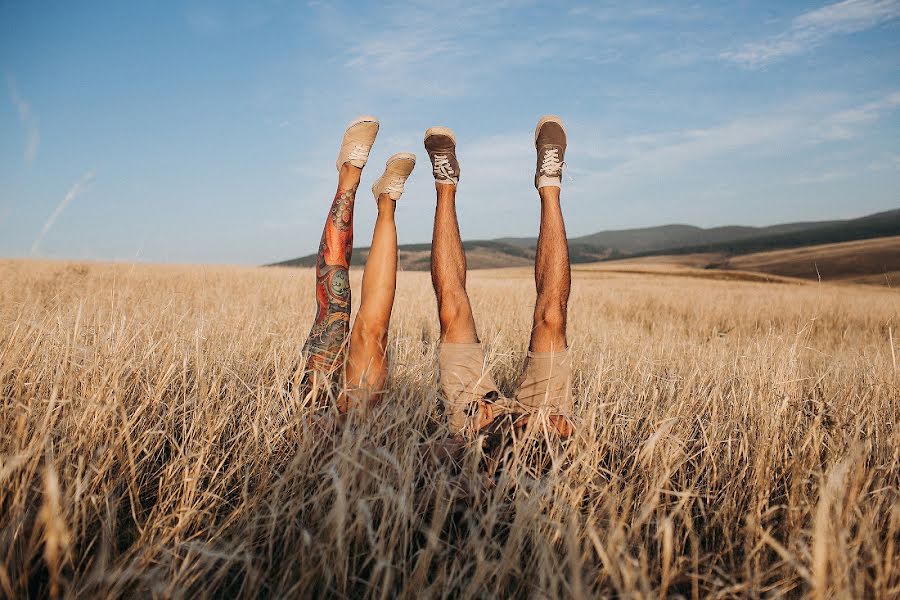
(472, 399)
(352, 365)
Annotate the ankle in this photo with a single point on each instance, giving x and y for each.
(549, 192)
(386, 204)
(349, 176)
(445, 190)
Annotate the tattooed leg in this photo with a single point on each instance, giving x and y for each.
(325, 346)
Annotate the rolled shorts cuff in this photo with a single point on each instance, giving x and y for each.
(546, 383)
(464, 378)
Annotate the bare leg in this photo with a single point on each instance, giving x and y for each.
(552, 277)
(448, 271)
(325, 346)
(367, 357)
(448, 276)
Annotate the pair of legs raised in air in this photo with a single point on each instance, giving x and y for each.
(365, 348)
(472, 398)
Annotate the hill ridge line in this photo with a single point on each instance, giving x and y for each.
(672, 238)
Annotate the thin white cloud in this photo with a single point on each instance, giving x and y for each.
(845, 124)
(671, 151)
(213, 19)
(820, 177)
(886, 162)
(28, 118)
(635, 158)
(637, 11)
(411, 52)
(499, 158)
(813, 28)
(402, 60)
(424, 54)
(74, 191)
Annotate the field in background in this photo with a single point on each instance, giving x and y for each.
(864, 250)
(874, 261)
(737, 438)
(848, 261)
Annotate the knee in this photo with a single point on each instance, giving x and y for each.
(371, 329)
(452, 308)
(551, 316)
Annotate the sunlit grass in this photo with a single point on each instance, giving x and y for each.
(735, 439)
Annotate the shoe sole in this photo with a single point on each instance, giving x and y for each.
(401, 156)
(362, 119)
(544, 120)
(441, 131)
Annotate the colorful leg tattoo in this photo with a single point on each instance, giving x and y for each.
(325, 347)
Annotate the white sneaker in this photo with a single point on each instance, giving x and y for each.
(358, 139)
(396, 172)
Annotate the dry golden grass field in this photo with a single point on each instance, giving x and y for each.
(736, 439)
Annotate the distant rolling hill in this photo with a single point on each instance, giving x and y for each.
(482, 254)
(872, 261)
(881, 224)
(663, 240)
(668, 237)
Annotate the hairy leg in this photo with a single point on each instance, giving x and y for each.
(448, 276)
(325, 346)
(367, 358)
(552, 277)
(448, 271)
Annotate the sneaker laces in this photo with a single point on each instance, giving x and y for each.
(359, 152)
(396, 185)
(551, 166)
(443, 169)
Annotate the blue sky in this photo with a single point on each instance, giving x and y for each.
(207, 131)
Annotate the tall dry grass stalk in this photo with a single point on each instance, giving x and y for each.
(735, 439)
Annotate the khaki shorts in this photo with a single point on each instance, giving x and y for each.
(545, 384)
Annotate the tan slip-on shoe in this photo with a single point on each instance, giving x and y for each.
(396, 172)
(358, 139)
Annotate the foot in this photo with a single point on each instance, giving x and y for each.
(396, 172)
(558, 423)
(358, 139)
(518, 414)
(550, 142)
(440, 143)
